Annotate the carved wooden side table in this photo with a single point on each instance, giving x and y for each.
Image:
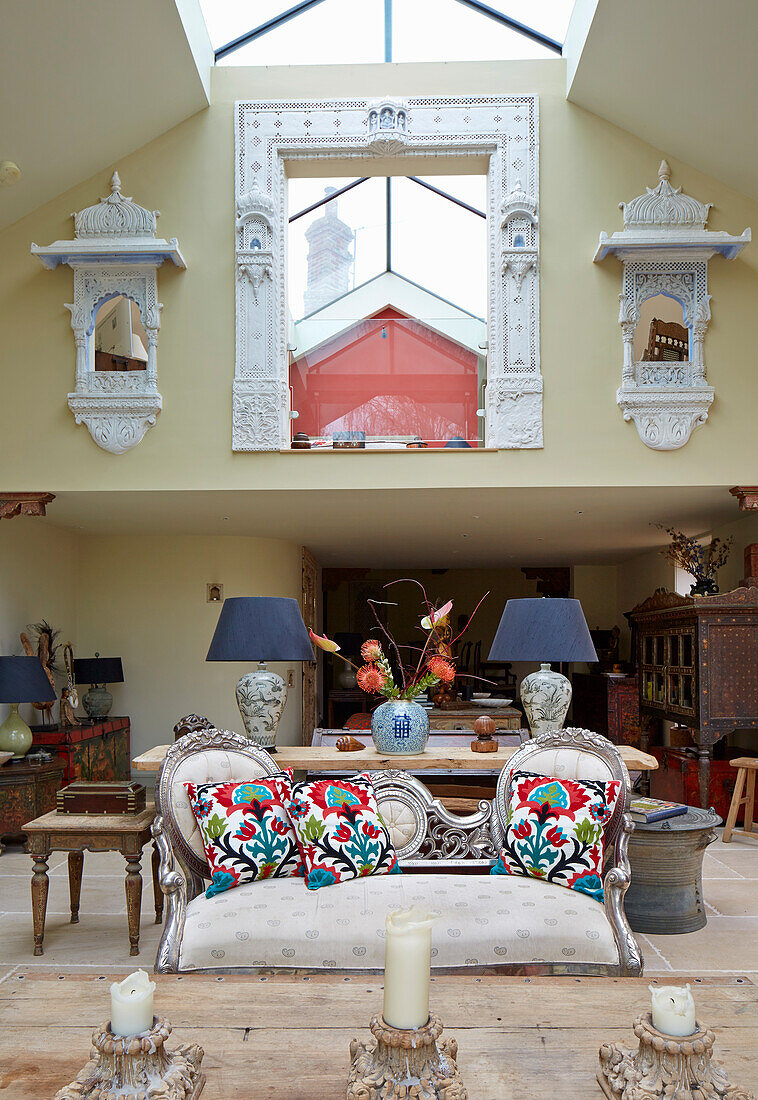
(77, 833)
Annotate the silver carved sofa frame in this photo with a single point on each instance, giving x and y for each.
(427, 836)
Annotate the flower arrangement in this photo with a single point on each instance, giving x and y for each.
(701, 561)
(409, 679)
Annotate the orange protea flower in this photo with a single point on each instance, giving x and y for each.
(442, 669)
(371, 650)
(370, 678)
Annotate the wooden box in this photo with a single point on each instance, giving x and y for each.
(676, 779)
(102, 798)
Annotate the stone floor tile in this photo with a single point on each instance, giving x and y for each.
(739, 857)
(733, 897)
(15, 861)
(725, 944)
(714, 868)
(101, 940)
(99, 895)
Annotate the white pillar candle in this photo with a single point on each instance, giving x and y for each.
(407, 968)
(132, 1004)
(673, 1009)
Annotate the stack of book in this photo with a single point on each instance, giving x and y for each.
(647, 810)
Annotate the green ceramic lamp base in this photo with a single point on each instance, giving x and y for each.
(15, 735)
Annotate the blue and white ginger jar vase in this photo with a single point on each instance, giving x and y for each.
(400, 727)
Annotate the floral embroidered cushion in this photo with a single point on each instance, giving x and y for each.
(339, 831)
(246, 832)
(556, 830)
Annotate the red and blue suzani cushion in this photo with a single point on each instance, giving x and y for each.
(339, 831)
(246, 832)
(555, 830)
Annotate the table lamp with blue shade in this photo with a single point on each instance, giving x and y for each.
(543, 630)
(22, 680)
(261, 628)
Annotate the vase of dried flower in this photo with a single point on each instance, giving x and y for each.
(400, 727)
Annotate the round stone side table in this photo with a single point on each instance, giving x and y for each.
(666, 892)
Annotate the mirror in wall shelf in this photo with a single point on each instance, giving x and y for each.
(665, 309)
(115, 316)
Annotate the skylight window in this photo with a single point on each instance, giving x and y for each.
(273, 32)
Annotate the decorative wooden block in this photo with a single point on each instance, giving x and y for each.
(665, 1066)
(484, 728)
(404, 1063)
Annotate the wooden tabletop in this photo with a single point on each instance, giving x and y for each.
(315, 758)
(286, 1037)
(92, 823)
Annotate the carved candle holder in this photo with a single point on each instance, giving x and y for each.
(137, 1067)
(666, 1066)
(405, 1063)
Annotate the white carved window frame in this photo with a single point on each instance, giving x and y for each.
(665, 248)
(114, 252)
(502, 131)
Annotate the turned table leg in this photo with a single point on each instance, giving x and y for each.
(133, 899)
(40, 885)
(75, 867)
(704, 752)
(157, 892)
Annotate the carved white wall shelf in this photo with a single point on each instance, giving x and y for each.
(665, 248)
(114, 252)
(501, 131)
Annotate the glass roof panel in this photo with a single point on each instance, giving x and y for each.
(227, 19)
(444, 30)
(439, 245)
(469, 189)
(332, 33)
(549, 17)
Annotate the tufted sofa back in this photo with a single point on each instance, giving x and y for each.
(568, 754)
(207, 756)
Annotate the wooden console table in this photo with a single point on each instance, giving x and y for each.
(315, 758)
(517, 1037)
(26, 791)
(77, 833)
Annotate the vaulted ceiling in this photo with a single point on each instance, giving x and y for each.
(84, 82)
(680, 74)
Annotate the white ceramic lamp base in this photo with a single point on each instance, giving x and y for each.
(546, 696)
(261, 696)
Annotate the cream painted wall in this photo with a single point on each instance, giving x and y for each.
(144, 599)
(37, 581)
(586, 167)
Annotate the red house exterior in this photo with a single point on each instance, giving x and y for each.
(389, 376)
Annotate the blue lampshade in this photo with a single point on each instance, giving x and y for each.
(98, 670)
(260, 628)
(23, 680)
(542, 629)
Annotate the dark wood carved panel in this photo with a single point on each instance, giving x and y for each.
(27, 792)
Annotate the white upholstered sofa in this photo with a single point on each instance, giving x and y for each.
(517, 925)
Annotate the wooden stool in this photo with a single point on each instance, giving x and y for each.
(748, 766)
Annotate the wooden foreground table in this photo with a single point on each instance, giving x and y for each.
(322, 758)
(286, 1037)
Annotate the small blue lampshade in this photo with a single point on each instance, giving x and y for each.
(260, 628)
(98, 670)
(542, 629)
(23, 680)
